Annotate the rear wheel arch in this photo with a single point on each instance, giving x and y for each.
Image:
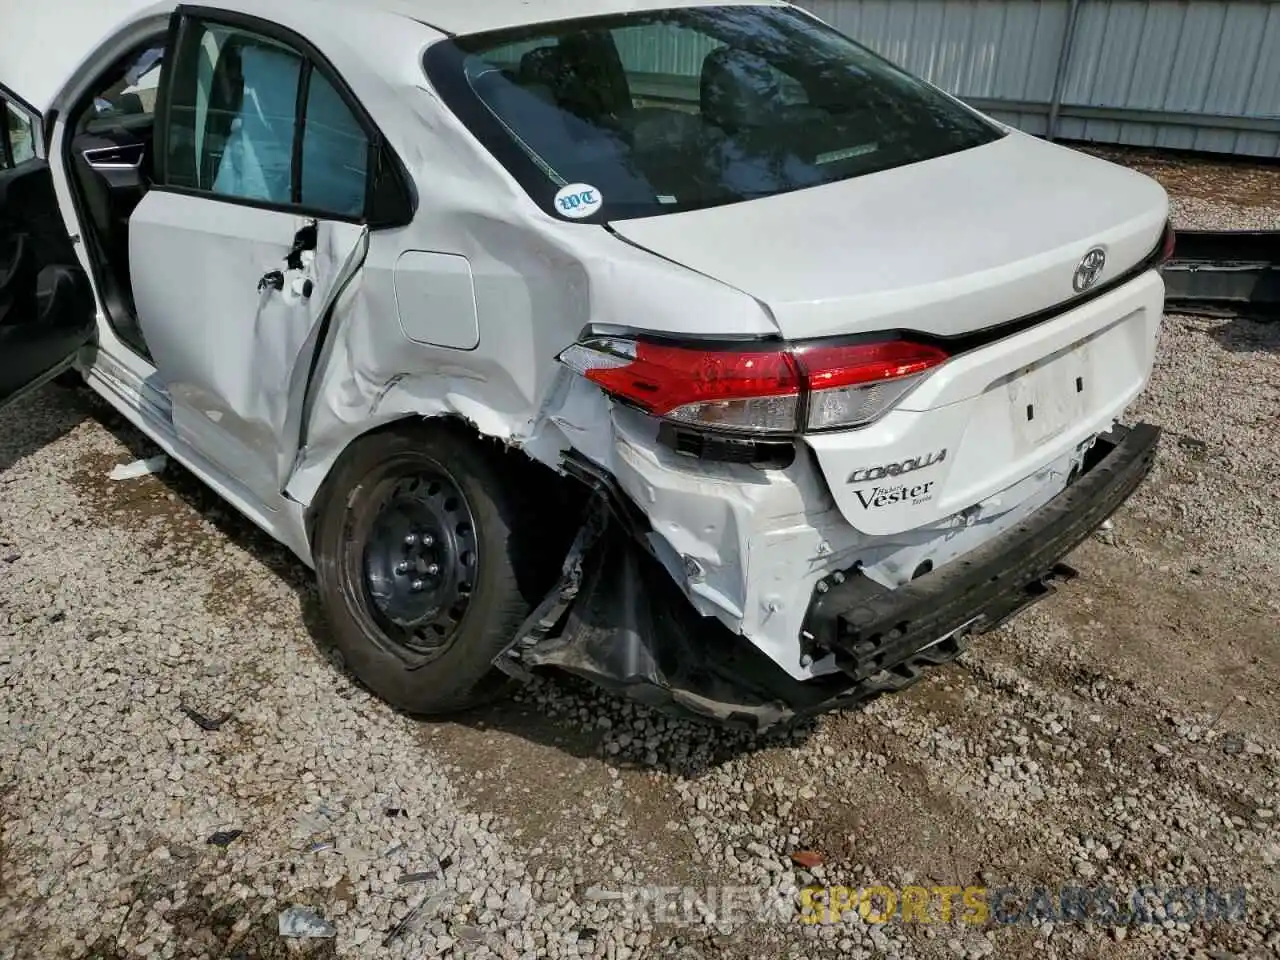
(452, 423)
(418, 613)
(546, 480)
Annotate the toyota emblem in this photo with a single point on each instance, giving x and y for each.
(1089, 270)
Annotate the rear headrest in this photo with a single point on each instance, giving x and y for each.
(541, 67)
(596, 63)
(739, 89)
(227, 91)
(130, 104)
(583, 74)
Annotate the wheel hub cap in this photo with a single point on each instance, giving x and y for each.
(420, 560)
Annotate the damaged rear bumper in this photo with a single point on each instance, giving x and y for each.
(619, 620)
(871, 629)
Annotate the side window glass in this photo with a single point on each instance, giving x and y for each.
(232, 114)
(19, 137)
(256, 131)
(335, 152)
(234, 121)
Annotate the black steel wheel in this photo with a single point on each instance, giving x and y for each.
(420, 560)
(420, 544)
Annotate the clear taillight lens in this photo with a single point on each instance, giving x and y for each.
(854, 384)
(755, 391)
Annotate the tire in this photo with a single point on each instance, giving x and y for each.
(359, 530)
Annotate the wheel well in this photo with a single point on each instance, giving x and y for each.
(566, 494)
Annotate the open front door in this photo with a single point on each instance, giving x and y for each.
(47, 309)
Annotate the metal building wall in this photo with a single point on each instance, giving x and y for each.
(1188, 74)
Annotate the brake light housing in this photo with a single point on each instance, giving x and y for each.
(755, 390)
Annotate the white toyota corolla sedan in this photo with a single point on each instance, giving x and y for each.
(686, 346)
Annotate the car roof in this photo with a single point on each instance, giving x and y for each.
(52, 40)
(477, 16)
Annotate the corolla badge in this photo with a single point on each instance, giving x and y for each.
(1089, 270)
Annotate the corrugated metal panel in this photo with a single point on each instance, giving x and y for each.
(1002, 49)
(1195, 58)
(1190, 62)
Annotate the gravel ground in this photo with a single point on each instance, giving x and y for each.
(1126, 731)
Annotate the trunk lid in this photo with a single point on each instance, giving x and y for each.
(946, 246)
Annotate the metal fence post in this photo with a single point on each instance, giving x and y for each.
(1064, 63)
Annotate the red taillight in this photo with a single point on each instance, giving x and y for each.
(729, 389)
(755, 390)
(663, 378)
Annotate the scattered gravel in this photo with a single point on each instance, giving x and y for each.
(185, 772)
(1241, 192)
(1196, 213)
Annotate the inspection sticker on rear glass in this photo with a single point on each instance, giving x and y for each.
(577, 200)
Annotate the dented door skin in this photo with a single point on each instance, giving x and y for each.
(252, 232)
(233, 341)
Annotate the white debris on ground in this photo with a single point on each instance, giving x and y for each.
(138, 468)
(165, 683)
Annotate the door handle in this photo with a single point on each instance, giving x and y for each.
(271, 280)
(304, 239)
(126, 156)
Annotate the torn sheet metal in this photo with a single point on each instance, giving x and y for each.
(549, 614)
(628, 629)
(617, 619)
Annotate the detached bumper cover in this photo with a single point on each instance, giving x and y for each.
(618, 619)
(1225, 273)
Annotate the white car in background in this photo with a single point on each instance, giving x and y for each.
(689, 347)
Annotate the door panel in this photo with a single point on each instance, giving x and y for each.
(112, 163)
(231, 319)
(47, 309)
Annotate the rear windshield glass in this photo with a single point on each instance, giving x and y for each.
(671, 110)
